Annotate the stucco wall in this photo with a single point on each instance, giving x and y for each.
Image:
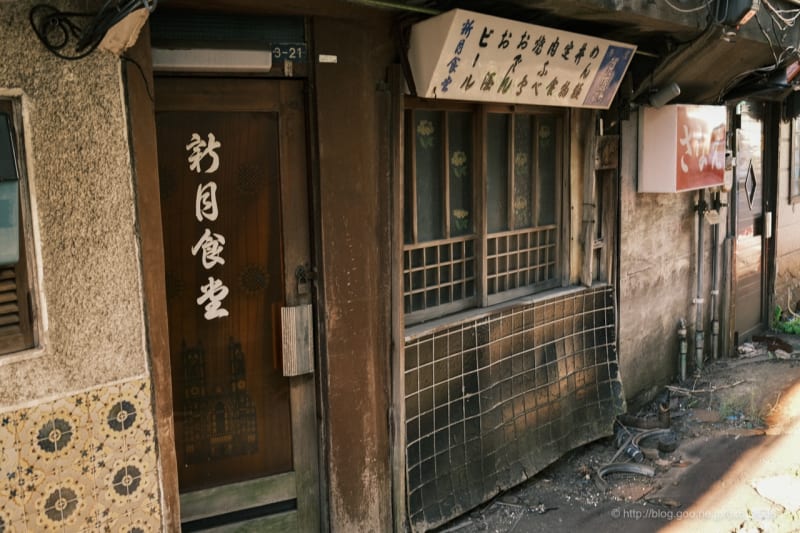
(80, 180)
(657, 276)
(787, 233)
(77, 441)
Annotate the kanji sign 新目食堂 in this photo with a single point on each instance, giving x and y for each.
(463, 55)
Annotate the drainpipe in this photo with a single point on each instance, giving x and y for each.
(717, 204)
(699, 339)
(682, 349)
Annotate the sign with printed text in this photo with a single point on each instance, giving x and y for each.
(700, 143)
(463, 55)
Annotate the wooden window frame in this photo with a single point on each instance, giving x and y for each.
(794, 161)
(18, 327)
(518, 243)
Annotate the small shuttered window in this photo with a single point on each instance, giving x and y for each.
(16, 317)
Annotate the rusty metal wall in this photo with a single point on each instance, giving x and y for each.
(492, 401)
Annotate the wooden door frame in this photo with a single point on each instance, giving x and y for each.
(771, 171)
(139, 94)
(247, 96)
(770, 166)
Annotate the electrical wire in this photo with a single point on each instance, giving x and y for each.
(705, 5)
(141, 72)
(779, 13)
(766, 36)
(780, 22)
(57, 29)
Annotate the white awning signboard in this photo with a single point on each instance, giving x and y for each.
(463, 55)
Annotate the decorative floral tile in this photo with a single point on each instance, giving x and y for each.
(85, 462)
(146, 519)
(12, 517)
(53, 439)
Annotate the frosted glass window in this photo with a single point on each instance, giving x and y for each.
(548, 167)
(497, 172)
(523, 171)
(429, 163)
(460, 162)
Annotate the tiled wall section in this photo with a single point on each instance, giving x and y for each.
(491, 402)
(85, 462)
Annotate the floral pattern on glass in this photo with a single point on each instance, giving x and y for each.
(461, 219)
(458, 164)
(425, 131)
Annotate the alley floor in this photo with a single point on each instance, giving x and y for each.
(736, 467)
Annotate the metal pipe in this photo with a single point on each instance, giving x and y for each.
(715, 282)
(682, 349)
(699, 338)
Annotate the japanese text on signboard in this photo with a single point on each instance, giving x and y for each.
(203, 158)
(488, 58)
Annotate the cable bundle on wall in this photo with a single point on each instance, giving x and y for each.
(58, 30)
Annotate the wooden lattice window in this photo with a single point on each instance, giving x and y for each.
(481, 205)
(16, 316)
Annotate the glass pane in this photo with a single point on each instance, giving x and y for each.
(497, 167)
(430, 196)
(408, 182)
(548, 167)
(460, 160)
(523, 171)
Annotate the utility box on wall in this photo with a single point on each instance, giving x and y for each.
(681, 147)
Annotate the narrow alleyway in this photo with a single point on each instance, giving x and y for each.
(735, 468)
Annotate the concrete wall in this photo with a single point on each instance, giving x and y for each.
(657, 276)
(88, 380)
(787, 231)
(353, 190)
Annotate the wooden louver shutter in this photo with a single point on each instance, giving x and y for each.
(16, 319)
(15, 323)
(16, 331)
(9, 308)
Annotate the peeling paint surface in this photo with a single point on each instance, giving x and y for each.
(657, 276)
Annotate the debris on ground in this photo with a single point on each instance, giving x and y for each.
(635, 473)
